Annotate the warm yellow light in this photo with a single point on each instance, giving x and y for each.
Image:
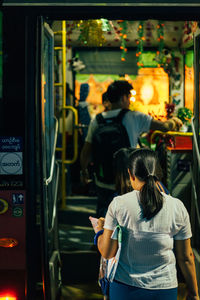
(8, 298)
(133, 92)
(146, 92)
(132, 99)
(99, 22)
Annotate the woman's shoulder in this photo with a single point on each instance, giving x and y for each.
(130, 196)
(174, 203)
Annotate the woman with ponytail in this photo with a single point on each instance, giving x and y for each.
(153, 225)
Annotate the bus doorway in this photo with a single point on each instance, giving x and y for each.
(36, 99)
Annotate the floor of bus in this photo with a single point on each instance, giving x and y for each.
(80, 259)
(90, 291)
(84, 291)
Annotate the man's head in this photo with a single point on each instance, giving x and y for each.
(106, 102)
(119, 92)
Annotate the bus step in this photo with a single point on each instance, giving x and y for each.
(77, 211)
(79, 266)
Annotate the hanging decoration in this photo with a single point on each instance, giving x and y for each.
(189, 28)
(69, 30)
(105, 25)
(160, 33)
(140, 43)
(91, 33)
(123, 36)
(165, 60)
(169, 107)
(149, 27)
(160, 38)
(116, 30)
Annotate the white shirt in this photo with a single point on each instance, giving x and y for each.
(147, 259)
(135, 123)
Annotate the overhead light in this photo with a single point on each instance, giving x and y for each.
(132, 99)
(133, 92)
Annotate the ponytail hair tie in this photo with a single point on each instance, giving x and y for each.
(152, 176)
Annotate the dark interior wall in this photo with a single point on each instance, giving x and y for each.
(13, 74)
(112, 9)
(107, 2)
(107, 61)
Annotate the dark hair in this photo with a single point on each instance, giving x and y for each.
(84, 91)
(104, 97)
(143, 165)
(120, 164)
(117, 89)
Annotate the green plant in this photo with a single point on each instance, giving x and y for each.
(185, 115)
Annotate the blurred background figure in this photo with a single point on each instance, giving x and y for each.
(83, 120)
(83, 113)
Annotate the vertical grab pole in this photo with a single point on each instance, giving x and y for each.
(63, 113)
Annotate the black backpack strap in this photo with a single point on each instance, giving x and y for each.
(121, 114)
(100, 119)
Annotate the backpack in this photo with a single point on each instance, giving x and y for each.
(110, 136)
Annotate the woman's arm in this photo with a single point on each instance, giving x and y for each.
(107, 246)
(185, 259)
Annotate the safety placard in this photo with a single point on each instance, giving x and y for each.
(11, 155)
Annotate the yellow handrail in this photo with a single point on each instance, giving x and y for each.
(63, 112)
(62, 149)
(75, 136)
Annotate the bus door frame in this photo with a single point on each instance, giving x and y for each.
(195, 214)
(48, 228)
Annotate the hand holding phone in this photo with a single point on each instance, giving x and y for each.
(94, 222)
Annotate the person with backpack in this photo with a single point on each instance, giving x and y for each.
(108, 132)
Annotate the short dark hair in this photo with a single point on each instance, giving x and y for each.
(117, 89)
(104, 97)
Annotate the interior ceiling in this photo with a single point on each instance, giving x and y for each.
(84, 34)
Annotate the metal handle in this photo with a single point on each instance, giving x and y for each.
(195, 142)
(55, 200)
(48, 180)
(195, 197)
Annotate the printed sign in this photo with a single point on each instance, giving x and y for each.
(10, 144)
(17, 198)
(11, 156)
(17, 212)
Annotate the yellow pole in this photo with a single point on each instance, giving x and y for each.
(63, 205)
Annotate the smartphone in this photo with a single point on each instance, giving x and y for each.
(94, 222)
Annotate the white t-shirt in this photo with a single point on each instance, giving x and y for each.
(135, 123)
(147, 259)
